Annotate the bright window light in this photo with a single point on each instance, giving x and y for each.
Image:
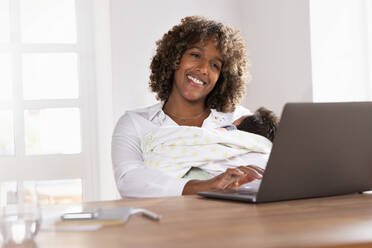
(48, 21)
(4, 21)
(6, 133)
(66, 191)
(52, 131)
(50, 76)
(5, 77)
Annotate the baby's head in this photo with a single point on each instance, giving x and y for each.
(263, 122)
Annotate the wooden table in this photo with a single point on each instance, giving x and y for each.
(192, 221)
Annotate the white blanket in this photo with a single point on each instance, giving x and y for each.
(175, 149)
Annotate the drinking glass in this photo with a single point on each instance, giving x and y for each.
(20, 215)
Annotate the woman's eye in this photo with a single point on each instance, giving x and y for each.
(195, 55)
(216, 66)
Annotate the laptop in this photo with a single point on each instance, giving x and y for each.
(321, 149)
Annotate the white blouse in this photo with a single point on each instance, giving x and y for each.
(133, 178)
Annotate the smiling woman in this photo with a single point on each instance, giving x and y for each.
(194, 79)
(199, 73)
(191, 37)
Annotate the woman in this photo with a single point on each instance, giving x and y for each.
(198, 73)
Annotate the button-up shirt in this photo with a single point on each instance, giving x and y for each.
(133, 178)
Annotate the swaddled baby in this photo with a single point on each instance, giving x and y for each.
(177, 149)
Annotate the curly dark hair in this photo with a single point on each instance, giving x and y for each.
(230, 86)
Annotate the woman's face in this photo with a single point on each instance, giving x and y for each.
(199, 69)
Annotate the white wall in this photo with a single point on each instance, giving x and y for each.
(340, 48)
(278, 38)
(277, 34)
(136, 26)
(102, 42)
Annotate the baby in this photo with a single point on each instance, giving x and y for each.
(177, 149)
(263, 122)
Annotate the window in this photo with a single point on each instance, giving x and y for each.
(46, 92)
(341, 38)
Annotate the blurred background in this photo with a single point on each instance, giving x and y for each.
(70, 68)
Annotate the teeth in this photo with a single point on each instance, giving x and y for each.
(195, 80)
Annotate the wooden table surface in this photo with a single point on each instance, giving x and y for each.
(192, 221)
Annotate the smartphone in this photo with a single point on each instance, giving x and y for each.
(78, 216)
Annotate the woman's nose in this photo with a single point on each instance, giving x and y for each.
(203, 66)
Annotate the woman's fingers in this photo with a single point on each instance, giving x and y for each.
(258, 169)
(251, 173)
(232, 185)
(230, 176)
(235, 177)
(230, 179)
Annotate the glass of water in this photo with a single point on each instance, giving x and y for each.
(20, 214)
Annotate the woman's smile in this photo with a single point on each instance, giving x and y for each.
(195, 81)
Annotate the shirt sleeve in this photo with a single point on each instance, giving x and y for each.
(133, 178)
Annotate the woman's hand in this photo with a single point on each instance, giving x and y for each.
(230, 179)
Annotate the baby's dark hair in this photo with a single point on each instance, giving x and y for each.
(263, 122)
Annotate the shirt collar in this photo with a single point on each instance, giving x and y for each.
(215, 113)
(155, 110)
